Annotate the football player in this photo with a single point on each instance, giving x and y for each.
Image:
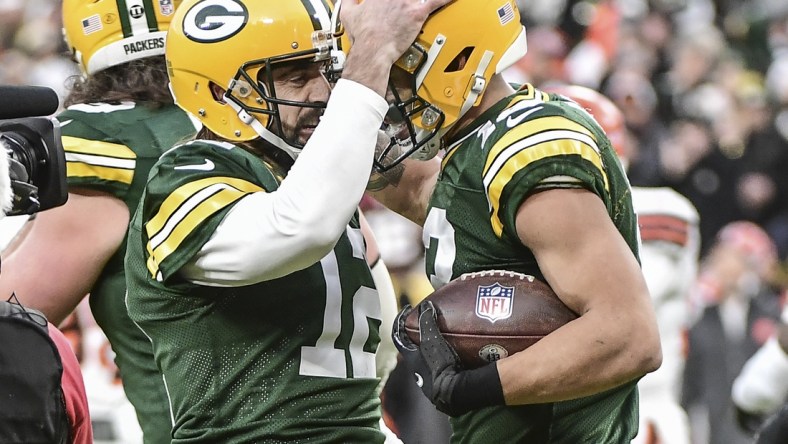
(670, 245)
(245, 264)
(119, 119)
(530, 183)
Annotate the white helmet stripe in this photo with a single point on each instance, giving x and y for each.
(323, 14)
(319, 13)
(138, 16)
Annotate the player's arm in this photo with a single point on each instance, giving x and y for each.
(298, 224)
(592, 269)
(266, 235)
(57, 261)
(590, 266)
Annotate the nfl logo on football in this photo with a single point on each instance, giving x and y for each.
(494, 302)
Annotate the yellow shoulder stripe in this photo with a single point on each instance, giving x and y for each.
(176, 199)
(101, 172)
(96, 147)
(103, 160)
(173, 239)
(185, 209)
(527, 155)
(530, 128)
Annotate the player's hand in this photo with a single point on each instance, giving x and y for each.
(437, 367)
(411, 355)
(388, 27)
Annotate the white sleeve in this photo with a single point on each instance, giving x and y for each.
(269, 235)
(386, 356)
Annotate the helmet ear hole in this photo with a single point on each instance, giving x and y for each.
(458, 64)
(217, 92)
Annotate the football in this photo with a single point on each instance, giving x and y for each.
(489, 315)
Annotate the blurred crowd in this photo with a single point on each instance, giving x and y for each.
(32, 50)
(704, 89)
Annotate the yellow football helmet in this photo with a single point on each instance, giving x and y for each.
(233, 44)
(461, 47)
(105, 33)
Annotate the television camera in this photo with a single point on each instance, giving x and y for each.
(30, 151)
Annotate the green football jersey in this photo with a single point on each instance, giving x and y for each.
(527, 142)
(281, 361)
(111, 148)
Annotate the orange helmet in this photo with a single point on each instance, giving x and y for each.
(606, 113)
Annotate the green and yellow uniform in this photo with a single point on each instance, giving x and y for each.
(111, 148)
(529, 141)
(280, 361)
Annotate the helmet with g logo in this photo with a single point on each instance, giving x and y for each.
(233, 45)
(461, 47)
(106, 33)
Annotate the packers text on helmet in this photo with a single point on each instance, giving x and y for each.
(106, 33)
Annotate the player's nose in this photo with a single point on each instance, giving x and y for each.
(319, 89)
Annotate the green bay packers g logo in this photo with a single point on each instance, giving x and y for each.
(212, 21)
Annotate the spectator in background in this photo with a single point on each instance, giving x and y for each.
(590, 59)
(761, 389)
(777, 92)
(547, 50)
(762, 159)
(31, 45)
(691, 163)
(633, 93)
(738, 309)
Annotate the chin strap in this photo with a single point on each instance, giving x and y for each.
(262, 131)
(479, 83)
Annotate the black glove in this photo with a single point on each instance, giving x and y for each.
(437, 367)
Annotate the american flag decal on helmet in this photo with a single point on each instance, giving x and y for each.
(494, 302)
(91, 24)
(506, 13)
